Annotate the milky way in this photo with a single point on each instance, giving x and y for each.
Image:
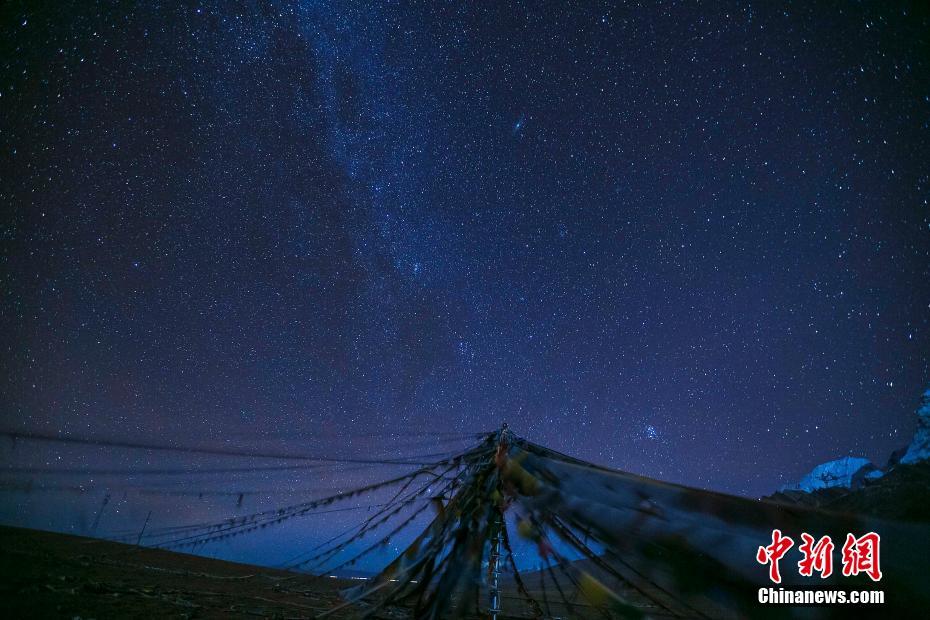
(691, 242)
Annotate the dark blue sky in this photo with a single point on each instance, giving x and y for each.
(689, 240)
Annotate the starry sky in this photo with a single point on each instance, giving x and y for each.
(687, 240)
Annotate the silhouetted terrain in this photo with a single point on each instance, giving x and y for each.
(47, 575)
(901, 494)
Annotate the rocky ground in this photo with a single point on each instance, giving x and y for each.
(46, 575)
(49, 575)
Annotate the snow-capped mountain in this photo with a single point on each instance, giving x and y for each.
(850, 472)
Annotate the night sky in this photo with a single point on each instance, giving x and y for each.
(687, 240)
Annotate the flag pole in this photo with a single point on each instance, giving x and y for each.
(497, 539)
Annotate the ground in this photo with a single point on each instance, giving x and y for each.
(47, 575)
